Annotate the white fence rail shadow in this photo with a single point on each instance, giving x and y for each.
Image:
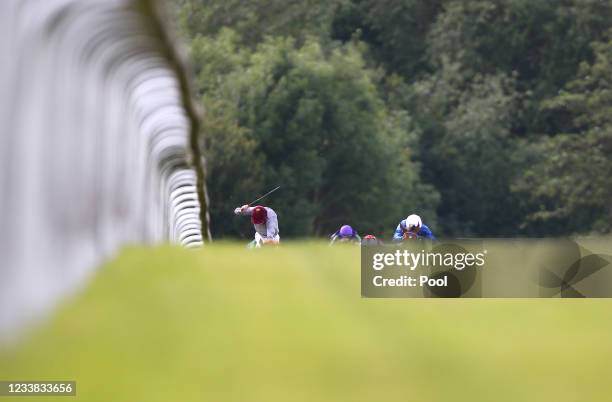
(97, 143)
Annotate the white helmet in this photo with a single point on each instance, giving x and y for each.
(413, 222)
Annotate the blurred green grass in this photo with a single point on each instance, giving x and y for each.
(288, 324)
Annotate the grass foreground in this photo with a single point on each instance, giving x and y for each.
(288, 324)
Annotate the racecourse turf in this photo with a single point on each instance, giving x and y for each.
(288, 324)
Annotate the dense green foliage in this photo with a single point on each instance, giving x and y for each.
(488, 118)
(310, 121)
(572, 187)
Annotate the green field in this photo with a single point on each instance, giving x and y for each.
(288, 324)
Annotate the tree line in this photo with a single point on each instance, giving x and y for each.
(487, 118)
